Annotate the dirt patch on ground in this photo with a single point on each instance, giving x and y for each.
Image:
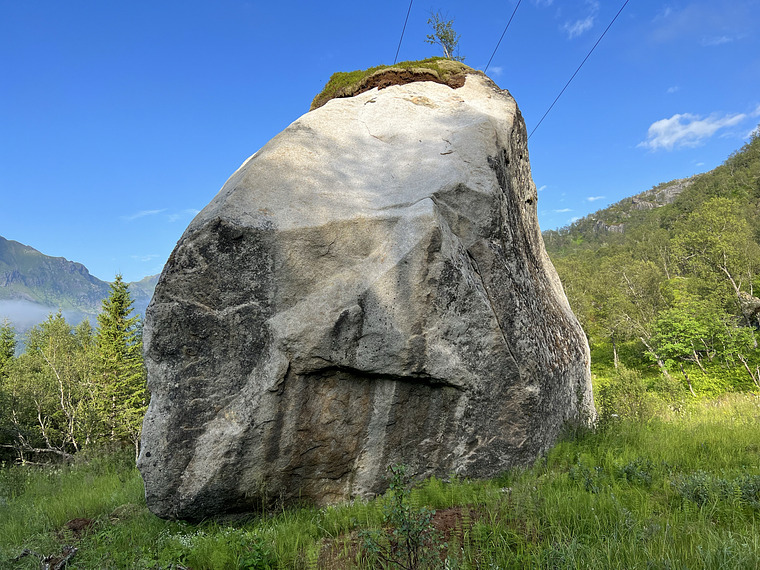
(75, 529)
(79, 525)
(454, 522)
(339, 553)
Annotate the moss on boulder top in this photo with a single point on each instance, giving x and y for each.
(350, 83)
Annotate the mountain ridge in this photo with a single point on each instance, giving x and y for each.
(636, 271)
(33, 285)
(614, 218)
(665, 203)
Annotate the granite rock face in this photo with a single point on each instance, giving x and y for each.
(369, 288)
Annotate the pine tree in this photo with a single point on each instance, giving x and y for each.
(7, 344)
(120, 364)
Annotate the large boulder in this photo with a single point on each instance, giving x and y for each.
(369, 288)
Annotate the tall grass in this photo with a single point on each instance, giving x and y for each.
(671, 489)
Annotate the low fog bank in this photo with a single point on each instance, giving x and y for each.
(23, 315)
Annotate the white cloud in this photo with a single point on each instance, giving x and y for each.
(144, 258)
(716, 41)
(707, 23)
(542, 188)
(182, 214)
(582, 25)
(497, 70)
(595, 198)
(543, 2)
(562, 211)
(686, 130)
(756, 112)
(141, 214)
(673, 89)
(667, 11)
(577, 28)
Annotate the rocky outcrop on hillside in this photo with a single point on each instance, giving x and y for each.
(611, 219)
(664, 194)
(750, 307)
(601, 227)
(369, 288)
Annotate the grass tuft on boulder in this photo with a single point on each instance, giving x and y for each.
(351, 83)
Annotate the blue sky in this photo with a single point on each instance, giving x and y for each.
(120, 120)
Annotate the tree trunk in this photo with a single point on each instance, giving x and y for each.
(113, 417)
(660, 363)
(755, 377)
(688, 380)
(710, 355)
(697, 360)
(136, 442)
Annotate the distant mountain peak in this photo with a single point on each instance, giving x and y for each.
(33, 285)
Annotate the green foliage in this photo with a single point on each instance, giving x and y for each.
(408, 540)
(50, 392)
(695, 487)
(444, 36)
(121, 373)
(687, 331)
(257, 555)
(7, 344)
(676, 490)
(639, 471)
(715, 242)
(73, 387)
(703, 488)
(677, 283)
(7, 351)
(349, 83)
(624, 395)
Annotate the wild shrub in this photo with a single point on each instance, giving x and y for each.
(701, 488)
(624, 396)
(589, 477)
(257, 555)
(748, 488)
(697, 487)
(408, 539)
(638, 471)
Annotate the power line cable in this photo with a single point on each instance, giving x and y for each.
(579, 68)
(402, 31)
(502, 35)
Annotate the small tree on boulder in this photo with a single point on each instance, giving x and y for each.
(444, 35)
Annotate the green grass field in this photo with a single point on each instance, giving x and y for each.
(670, 489)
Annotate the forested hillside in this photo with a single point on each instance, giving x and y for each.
(666, 282)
